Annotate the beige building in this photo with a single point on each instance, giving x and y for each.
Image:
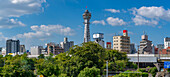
(54, 48)
(145, 45)
(122, 43)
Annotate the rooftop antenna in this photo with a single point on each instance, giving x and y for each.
(118, 34)
(144, 32)
(115, 34)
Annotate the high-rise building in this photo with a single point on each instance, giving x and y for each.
(145, 45)
(36, 50)
(132, 48)
(166, 42)
(122, 43)
(108, 45)
(99, 38)
(54, 49)
(22, 49)
(12, 46)
(66, 45)
(87, 16)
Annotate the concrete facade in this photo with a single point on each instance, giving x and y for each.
(54, 49)
(36, 50)
(122, 43)
(145, 45)
(66, 45)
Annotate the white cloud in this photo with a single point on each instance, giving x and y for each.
(2, 39)
(99, 22)
(19, 1)
(112, 10)
(139, 20)
(153, 12)
(10, 23)
(115, 21)
(17, 8)
(43, 31)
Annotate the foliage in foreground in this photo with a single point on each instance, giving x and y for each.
(90, 72)
(132, 74)
(153, 71)
(87, 59)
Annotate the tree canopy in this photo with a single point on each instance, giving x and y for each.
(85, 60)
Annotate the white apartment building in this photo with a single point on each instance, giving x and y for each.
(122, 43)
(166, 42)
(36, 50)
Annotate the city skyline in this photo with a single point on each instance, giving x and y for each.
(36, 22)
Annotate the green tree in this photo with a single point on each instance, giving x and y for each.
(153, 71)
(129, 73)
(79, 57)
(90, 72)
(47, 67)
(118, 61)
(41, 56)
(112, 55)
(63, 75)
(18, 66)
(2, 61)
(120, 65)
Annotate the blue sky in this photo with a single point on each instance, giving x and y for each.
(36, 22)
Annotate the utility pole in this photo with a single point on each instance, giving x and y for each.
(106, 68)
(138, 56)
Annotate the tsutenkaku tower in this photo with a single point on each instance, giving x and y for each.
(87, 16)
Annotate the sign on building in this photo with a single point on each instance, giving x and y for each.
(167, 64)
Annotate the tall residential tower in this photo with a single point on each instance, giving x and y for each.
(87, 16)
(12, 46)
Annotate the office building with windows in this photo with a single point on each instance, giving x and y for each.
(12, 46)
